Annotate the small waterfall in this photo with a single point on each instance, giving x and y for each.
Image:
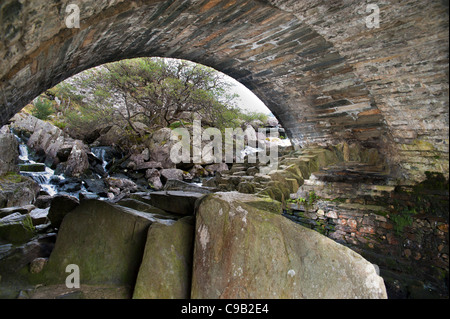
(23, 152)
(43, 177)
(101, 153)
(248, 150)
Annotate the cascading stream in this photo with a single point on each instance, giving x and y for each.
(44, 177)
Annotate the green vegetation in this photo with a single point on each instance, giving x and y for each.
(42, 109)
(402, 219)
(312, 197)
(155, 92)
(429, 197)
(27, 223)
(151, 91)
(11, 177)
(248, 117)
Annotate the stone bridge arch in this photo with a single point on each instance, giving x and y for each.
(326, 76)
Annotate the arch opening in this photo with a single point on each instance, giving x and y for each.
(323, 73)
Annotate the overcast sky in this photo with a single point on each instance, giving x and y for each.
(247, 100)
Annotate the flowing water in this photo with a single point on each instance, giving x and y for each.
(101, 153)
(47, 179)
(42, 178)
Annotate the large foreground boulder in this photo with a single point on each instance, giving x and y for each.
(165, 272)
(245, 249)
(104, 240)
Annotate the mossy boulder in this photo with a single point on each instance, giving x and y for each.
(244, 251)
(165, 271)
(304, 166)
(16, 228)
(17, 190)
(277, 190)
(322, 156)
(246, 187)
(35, 167)
(106, 241)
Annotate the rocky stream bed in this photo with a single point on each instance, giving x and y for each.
(137, 226)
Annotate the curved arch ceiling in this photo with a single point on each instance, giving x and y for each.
(316, 65)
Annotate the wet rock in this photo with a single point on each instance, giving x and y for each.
(43, 201)
(60, 206)
(16, 228)
(78, 161)
(11, 210)
(69, 185)
(45, 138)
(96, 165)
(39, 216)
(17, 190)
(172, 173)
(36, 167)
(96, 186)
(64, 152)
(198, 171)
(154, 178)
(218, 167)
(121, 185)
(140, 162)
(148, 165)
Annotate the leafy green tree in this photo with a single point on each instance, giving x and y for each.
(42, 109)
(157, 92)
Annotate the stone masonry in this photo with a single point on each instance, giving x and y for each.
(324, 73)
